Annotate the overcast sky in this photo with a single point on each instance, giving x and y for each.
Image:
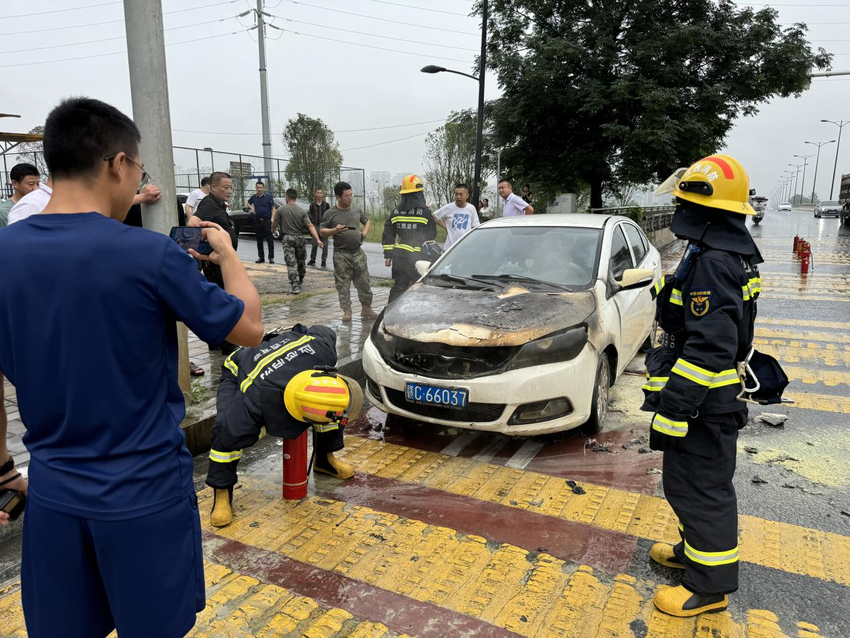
(214, 85)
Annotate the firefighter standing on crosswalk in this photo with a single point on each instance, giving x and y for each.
(282, 387)
(707, 312)
(406, 229)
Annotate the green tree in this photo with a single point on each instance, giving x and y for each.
(314, 156)
(617, 91)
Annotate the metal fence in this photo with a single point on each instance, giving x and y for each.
(191, 165)
(650, 218)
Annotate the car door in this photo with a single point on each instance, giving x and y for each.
(645, 258)
(627, 301)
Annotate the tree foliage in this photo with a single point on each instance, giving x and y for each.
(314, 156)
(33, 153)
(606, 92)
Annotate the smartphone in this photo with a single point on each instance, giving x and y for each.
(13, 503)
(351, 227)
(189, 237)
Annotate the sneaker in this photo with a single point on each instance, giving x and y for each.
(324, 264)
(296, 290)
(271, 261)
(260, 261)
(301, 281)
(312, 263)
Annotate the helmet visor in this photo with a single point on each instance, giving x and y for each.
(669, 185)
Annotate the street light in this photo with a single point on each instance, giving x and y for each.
(797, 176)
(805, 159)
(840, 124)
(479, 133)
(815, 181)
(788, 177)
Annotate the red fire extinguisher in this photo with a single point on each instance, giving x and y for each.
(295, 468)
(796, 243)
(805, 258)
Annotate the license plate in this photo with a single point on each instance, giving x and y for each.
(434, 395)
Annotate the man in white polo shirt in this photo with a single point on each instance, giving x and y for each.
(459, 217)
(514, 205)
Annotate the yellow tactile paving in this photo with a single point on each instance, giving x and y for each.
(783, 546)
(809, 376)
(833, 336)
(822, 402)
(525, 592)
(238, 606)
(794, 351)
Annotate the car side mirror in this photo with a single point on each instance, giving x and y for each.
(422, 267)
(635, 278)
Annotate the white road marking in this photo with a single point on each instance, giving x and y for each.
(456, 447)
(523, 456)
(491, 449)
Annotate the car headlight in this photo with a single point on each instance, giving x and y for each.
(384, 342)
(562, 347)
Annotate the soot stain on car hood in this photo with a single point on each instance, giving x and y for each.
(459, 317)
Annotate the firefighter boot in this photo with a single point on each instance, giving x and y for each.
(327, 463)
(367, 313)
(682, 603)
(663, 554)
(346, 314)
(222, 510)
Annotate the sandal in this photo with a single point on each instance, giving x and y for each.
(195, 371)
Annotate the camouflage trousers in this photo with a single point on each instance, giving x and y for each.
(295, 257)
(351, 266)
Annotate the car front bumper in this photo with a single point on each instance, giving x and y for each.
(492, 399)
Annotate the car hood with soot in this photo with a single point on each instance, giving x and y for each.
(463, 317)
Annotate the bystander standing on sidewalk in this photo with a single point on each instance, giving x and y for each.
(263, 206)
(195, 197)
(293, 221)
(25, 179)
(112, 534)
(458, 218)
(527, 194)
(317, 212)
(350, 264)
(484, 211)
(514, 205)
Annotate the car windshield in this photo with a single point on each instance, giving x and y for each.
(830, 204)
(563, 256)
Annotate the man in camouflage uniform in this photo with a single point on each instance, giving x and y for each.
(293, 222)
(343, 224)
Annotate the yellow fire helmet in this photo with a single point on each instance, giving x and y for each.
(717, 181)
(411, 184)
(320, 396)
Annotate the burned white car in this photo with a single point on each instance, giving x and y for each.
(520, 328)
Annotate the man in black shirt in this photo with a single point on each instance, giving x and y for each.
(317, 211)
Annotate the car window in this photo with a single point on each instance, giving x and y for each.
(621, 257)
(561, 255)
(635, 240)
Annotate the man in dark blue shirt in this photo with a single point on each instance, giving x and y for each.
(263, 205)
(111, 535)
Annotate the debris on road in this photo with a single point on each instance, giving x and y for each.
(759, 480)
(640, 440)
(845, 513)
(596, 446)
(750, 450)
(783, 458)
(576, 488)
(775, 420)
(653, 470)
(644, 450)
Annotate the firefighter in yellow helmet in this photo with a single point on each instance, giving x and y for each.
(706, 309)
(408, 227)
(282, 387)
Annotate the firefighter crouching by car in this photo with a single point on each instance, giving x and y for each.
(281, 387)
(707, 311)
(406, 229)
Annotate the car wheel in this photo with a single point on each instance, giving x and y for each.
(601, 393)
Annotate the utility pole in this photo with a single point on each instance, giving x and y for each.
(840, 124)
(149, 88)
(264, 90)
(817, 161)
(805, 159)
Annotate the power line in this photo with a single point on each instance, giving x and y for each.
(97, 24)
(376, 35)
(369, 46)
(103, 55)
(401, 139)
(351, 130)
(120, 37)
(43, 13)
(408, 6)
(358, 15)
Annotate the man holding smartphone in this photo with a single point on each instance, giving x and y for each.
(112, 534)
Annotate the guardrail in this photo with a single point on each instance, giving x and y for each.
(652, 218)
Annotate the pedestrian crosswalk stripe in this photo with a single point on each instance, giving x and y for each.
(802, 335)
(802, 352)
(803, 323)
(762, 542)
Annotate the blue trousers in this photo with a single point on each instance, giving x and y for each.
(82, 578)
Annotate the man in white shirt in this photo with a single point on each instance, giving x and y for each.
(36, 201)
(457, 218)
(514, 205)
(196, 196)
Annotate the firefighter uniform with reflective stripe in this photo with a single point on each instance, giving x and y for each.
(404, 233)
(692, 387)
(250, 398)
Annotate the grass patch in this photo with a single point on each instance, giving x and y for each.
(200, 393)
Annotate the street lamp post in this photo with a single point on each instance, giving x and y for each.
(479, 133)
(840, 124)
(817, 160)
(805, 159)
(797, 174)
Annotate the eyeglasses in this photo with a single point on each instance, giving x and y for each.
(145, 175)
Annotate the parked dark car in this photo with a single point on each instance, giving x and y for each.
(243, 222)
